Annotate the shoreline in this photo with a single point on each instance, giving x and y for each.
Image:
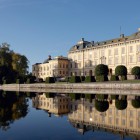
(113, 88)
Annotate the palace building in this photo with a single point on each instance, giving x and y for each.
(85, 55)
(57, 67)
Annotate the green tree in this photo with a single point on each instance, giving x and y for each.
(5, 55)
(101, 69)
(12, 65)
(136, 71)
(121, 70)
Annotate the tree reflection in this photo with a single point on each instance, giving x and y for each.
(12, 107)
(101, 106)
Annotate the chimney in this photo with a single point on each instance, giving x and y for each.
(121, 35)
(138, 29)
(49, 57)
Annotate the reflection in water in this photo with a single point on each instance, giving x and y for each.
(56, 104)
(13, 106)
(118, 114)
(114, 113)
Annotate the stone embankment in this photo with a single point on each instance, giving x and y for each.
(115, 88)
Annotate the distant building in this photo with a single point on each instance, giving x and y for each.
(56, 67)
(85, 55)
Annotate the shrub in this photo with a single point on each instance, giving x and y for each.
(101, 69)
(124, 77)
(114, 78)
(114, 97)
(5, 81)
(136, 71)
(121, 70)
(28, 81)
(101, 78)
(18, 81)
(101, 96)
(1, 82)
(49, 95)
(75, 79)
(82, 78)
(50, 80)
(101, 106)
(75, 96)
(121, 104)
(90, 79)
(89, 97)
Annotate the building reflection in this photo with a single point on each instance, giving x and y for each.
(53, 103)
(85, 117)
(83, 114)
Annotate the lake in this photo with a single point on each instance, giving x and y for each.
(56, 116)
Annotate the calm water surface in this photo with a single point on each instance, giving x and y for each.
(48, 116)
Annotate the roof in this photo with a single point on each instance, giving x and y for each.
(85, 44)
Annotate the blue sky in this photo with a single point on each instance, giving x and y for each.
(38, 28)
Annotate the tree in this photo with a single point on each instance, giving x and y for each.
(136, 71)
(135, 103)
(121, 70)
(121, 104)
(20, 63)
(101, 69)
(5, 55)
(12, 65)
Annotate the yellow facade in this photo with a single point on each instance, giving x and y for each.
(57, 67)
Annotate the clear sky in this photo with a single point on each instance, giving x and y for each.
(38, 28)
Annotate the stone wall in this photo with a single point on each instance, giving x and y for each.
(70, 86)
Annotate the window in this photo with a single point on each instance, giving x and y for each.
(116, 60)
(131, 58)
(74, 57)
(117, 121)
(110, 61)
(76, 65)
(138, 48)
(110, 120)
(79, 65)
(102, 52)
(123, 59)
(90, 55)
(116, 51)
(123, 122)
(79, 57)
(95, 54)
(109, 52)
(63, 65)
(123, 50)
(131, 49)
(138, 58)
(131, 113)
(131, 123)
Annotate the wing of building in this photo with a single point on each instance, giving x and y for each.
(56, 67)
(85, 55)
